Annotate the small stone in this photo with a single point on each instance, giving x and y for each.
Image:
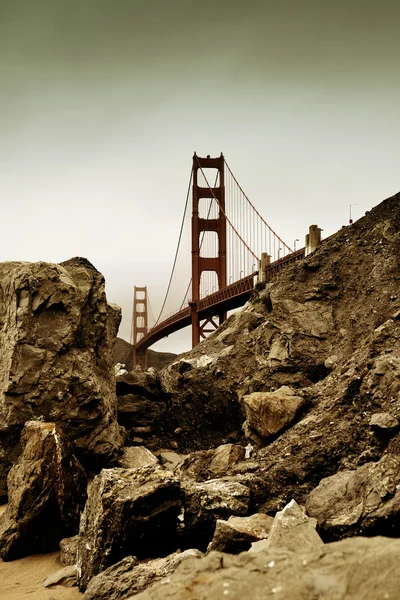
(383, 420)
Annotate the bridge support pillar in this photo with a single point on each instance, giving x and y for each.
(140, 325)
(313, 239)
(217, 264)
(263, 265)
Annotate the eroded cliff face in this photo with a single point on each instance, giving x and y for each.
(328, 328)
(56, 337)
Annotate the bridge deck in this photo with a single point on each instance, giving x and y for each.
(232, 296)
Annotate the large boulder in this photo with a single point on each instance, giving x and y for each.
(352, 569)
(131, 577)
(128, 512)
(56, 360)
(268, 413)
(47, 492)
(364, 500)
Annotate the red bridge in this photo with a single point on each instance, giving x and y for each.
(232, 248)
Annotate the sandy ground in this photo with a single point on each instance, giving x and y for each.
(22, 579)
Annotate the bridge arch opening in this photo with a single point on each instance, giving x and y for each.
(210, 177)
(209, 244)
(208, 283)
(208, 208)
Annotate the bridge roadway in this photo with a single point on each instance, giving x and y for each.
(232, 296)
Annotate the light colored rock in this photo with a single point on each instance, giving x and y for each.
(267, 413)
(237, 533)
(383, 420)
(56, 353)
(66, 577)
(359, 499)
(69, 550)
(125, 511)
(293, 530)
(130, 577)
(331, 362)
(352, 569)
(135, 457)
(170, 459)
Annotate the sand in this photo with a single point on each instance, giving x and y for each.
(23, 579)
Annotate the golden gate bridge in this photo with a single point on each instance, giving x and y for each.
(232, 247)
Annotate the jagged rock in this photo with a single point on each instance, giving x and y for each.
(66, 577)
(56, 353)
(383, 421)
(69, 550)
(126, 509)
(206, 502)
(293, 530)
(267, 413)
(365, 500)
(130, 577)
(352, 569)
(209, 464)
(47, 491)
(237, 533)
(135, 457)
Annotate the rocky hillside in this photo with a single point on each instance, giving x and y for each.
(328, 328)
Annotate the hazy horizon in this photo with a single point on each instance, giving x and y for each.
(104, 102)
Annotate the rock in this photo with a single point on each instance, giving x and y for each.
(170, 459)
(237, 533)
(267, 413)
(130, 577)
(66, 577)
(135, 457)
(206, 502)
(126, 509)
(293, 530)
(383, 421)
(69, 550)
(47, 491)
(363, 500)
(352, 569)
(56, 353)
(209, 464)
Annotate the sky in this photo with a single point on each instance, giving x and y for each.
(103, 102)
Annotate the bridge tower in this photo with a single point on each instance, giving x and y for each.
(140, 325)
(207, 324)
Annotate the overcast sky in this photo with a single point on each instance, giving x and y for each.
(103, 102)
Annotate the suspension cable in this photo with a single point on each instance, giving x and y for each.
(254, 208)
(177, 248)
